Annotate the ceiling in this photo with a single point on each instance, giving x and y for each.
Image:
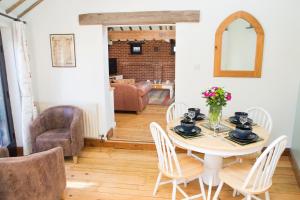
(18, 8)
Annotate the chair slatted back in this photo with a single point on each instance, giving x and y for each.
(176, 110)
(261, 117)
(260, 175)
(167, 157)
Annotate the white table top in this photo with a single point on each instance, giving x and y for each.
(219, 146)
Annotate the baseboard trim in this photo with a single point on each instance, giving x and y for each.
(89, 142)
(295, 167)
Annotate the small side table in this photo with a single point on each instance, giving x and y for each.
(166, 86)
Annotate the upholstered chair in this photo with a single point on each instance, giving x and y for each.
(131, 97)
(60, 126)
(39, 176)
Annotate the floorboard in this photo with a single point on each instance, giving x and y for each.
(135, 127)
(119, 174)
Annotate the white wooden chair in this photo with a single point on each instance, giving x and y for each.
(179, 168)
(261, 117)
(175, 111)
(252, 180)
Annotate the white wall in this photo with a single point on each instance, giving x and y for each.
(5, 26)
(194, 56)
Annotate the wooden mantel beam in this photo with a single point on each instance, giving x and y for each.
(139, 18)
(141, 35)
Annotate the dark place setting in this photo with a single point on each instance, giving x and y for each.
(243, 134)
(237, 117)
(187, 127)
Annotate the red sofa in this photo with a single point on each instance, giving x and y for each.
(131, 97)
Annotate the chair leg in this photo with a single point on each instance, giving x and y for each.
(75, 159)
(210, 187)
(185, 183)
(267, 195)
(174, 190)
(202, 188)
(234, 193)
(216, 196)
(157, 183)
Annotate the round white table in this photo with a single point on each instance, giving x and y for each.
(216, 148)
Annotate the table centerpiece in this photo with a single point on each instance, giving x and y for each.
(216, 99)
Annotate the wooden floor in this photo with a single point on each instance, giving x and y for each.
(135, 127)
(118, 174)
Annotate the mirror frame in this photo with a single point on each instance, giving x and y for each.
(256, 73)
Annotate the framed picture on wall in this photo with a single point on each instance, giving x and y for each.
(63, 50)
(136, 48)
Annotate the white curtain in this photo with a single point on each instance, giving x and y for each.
(24, 81)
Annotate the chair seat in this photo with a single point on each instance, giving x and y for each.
(54, 138)
(190, 168)
(235, 176)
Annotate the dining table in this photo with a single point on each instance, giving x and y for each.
(216, 147)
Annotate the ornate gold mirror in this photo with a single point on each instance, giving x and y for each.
(239, 46)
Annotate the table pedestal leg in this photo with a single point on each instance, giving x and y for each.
(212, 165)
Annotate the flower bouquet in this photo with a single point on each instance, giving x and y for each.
(216, 99)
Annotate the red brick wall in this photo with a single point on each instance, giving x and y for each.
(150, 65)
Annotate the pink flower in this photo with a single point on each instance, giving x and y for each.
(206, 94)
(215, 88)
(228, 96)
(212, 94)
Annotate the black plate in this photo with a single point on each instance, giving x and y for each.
(252, 137)
(235, 121)
(198, 117)
(196, 130)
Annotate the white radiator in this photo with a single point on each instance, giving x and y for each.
(90, 117)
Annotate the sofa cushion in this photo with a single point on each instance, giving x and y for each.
(55, 138)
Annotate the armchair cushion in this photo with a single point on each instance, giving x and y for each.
(55, 138)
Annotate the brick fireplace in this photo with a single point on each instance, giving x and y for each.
(155, 62)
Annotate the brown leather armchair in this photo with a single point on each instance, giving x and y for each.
(131, 97)
(39, 176)
(60, 126)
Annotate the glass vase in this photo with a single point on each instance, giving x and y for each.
(214, 116)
